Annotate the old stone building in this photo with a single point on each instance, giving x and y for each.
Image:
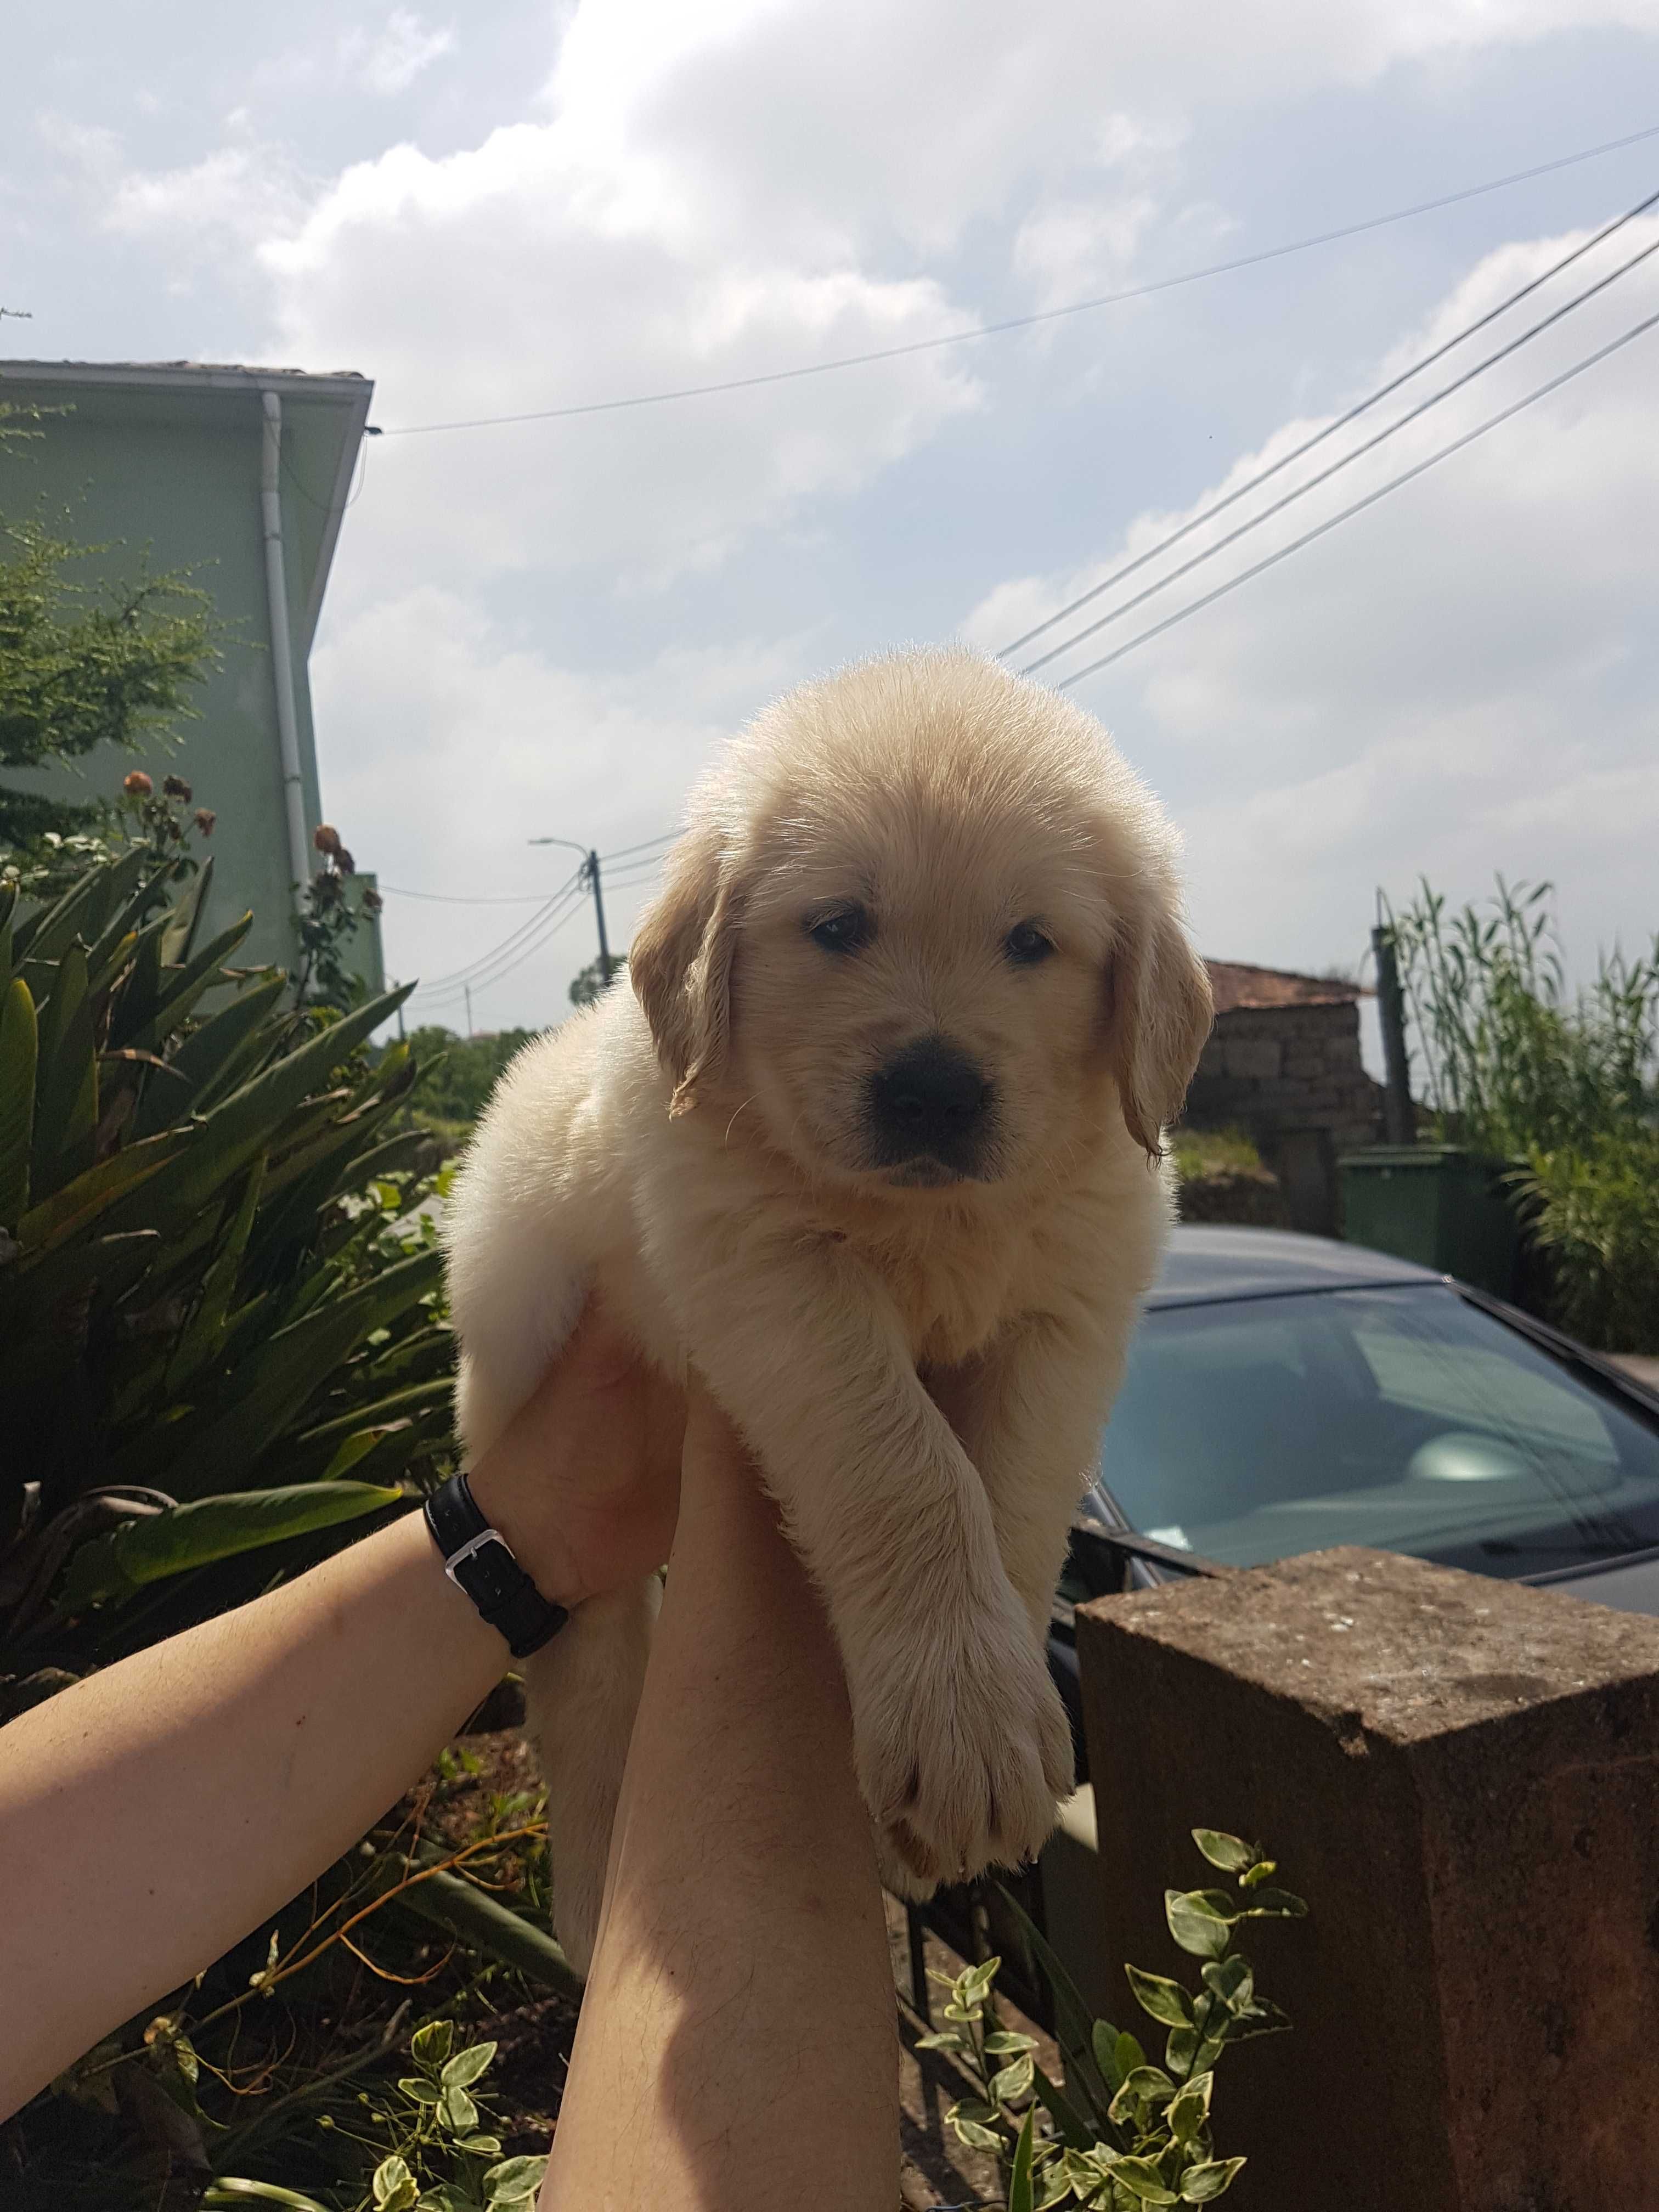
(1283, 1065)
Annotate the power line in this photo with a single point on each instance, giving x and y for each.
(573, 904)
(646, 844)
(1372, 399)
(1543, 390)
(1031, 321)
(457, 898)
(506, 958)
(1324, 475)
(455, 995)
(467, 972)
(632, 883)
(521, 898)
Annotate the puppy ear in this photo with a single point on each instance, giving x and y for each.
(1159, 1010)
(680, 963)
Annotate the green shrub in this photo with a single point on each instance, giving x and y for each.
(1507, 1058)
(1594, 1209)
(1212, 1151)
(221, 1342)
(464, 1071)
(83, 665)
(223, 1352)
(438, 2123)
(1562, 1083)
(1123, 2133)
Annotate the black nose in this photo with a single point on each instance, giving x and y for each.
(929, 1098)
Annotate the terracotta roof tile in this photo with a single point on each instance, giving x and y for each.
(1237, 985)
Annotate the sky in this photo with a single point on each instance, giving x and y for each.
(541, 629)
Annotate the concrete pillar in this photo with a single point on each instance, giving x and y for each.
(1462, 1777)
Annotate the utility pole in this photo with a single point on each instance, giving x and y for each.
(599, 910)
(467, 987)
(1398, 1121)
(588, 874)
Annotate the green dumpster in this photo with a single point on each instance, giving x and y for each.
(1437, 1204)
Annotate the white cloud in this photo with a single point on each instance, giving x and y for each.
(673, 195)
(520, 275)
(918, 121)
(463, 746)
(218, 206)
(388, 61)
(1072, 248)
(718, 193)
(1460, 682)
(239, 191)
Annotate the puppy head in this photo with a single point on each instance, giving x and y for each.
(925, 930)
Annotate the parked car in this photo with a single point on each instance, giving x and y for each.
(1286, 1393)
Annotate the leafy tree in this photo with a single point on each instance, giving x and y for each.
(1562, 1083)
(462, 1071)
(82, 665)
(590, 984)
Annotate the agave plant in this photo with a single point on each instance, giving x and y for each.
(221, 1342)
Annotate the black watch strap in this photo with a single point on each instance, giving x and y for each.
(477, 1559)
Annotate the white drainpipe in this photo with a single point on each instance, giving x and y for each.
(282, 649)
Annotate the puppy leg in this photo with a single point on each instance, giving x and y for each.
(1030, 1411)
(960, 1738)
(582, 1692)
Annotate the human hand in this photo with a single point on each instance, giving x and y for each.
(584, 1482)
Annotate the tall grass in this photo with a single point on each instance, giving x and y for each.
(1510, 1060)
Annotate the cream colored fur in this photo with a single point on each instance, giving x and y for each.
(695, 1147)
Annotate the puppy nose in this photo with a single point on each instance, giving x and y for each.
(929, 1097)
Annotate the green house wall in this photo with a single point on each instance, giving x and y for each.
(160, 468)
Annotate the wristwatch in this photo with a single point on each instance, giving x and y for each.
(479, 1560)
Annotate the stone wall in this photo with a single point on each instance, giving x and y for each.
(1460, 1776)
(1292, 1079)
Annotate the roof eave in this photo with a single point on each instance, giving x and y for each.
(361, 393)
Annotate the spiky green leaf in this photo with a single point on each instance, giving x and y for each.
(204, 1530)
(1019, 2175)
(66, 1081)
(19, 1051)
(74, 1206)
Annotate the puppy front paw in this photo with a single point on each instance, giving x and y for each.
(962, 1748)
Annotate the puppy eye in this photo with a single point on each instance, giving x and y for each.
(1025, 944)
(843, 931)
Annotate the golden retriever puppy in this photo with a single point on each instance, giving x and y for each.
(874, 1131)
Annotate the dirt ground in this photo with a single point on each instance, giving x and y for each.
(938, 2171)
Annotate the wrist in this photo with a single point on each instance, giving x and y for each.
(529, 1526)
(481, 1563)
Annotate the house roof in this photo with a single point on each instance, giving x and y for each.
(1237, 986)
(220, 375)
(322, 422)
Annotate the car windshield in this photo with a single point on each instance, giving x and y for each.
(1404, 1418)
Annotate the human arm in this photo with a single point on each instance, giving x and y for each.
(736, 2047)
(154, 1813)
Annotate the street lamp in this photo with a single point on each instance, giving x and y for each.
(588, 873)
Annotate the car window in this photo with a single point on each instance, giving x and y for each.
(1421, 1367)
(1403, 1417)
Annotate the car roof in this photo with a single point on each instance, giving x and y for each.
(1206, 1262)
